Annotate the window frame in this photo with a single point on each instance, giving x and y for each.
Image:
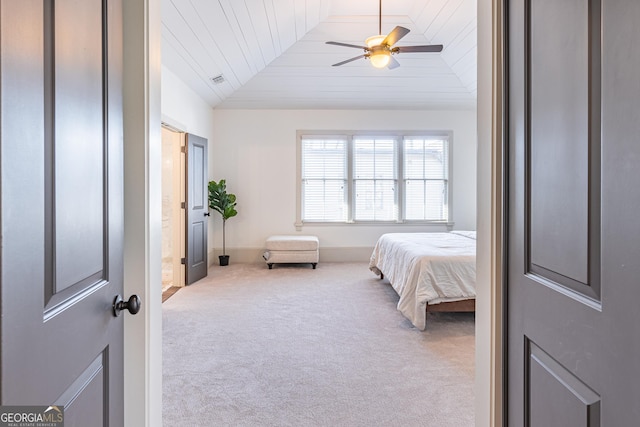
(447, 181)
(300, 198)
(399, 137)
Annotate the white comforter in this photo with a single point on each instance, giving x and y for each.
(427, 268)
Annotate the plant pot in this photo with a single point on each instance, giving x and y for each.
(224, 259)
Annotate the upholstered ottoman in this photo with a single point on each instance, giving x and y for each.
(292, 250)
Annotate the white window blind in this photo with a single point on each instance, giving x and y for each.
(324, 179)
(374, 164)
(426, 178)
(374, 177)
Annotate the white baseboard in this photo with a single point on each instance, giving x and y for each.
(254, 255)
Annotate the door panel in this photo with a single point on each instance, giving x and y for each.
(74, 189)
(564, 135)
(197, 208)
(61, 209)
(573, 249)
(85, 397)
(77, 104)
(556, 396)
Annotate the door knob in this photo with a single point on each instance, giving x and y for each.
(207, 214)
(132, 305)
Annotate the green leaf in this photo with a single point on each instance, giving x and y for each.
(220, 201)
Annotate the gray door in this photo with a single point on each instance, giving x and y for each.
(197, 205)
(61, 207)
(573, 198)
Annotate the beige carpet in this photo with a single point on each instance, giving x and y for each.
(293, 346)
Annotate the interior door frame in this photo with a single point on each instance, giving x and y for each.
(179, 251)
(143, 349)
(491, 214)
(173, 126)
(143, 211)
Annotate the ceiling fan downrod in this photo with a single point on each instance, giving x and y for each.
(380, 18)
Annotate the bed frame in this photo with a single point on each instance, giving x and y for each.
(463, 306)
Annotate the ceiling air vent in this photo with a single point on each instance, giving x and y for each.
(218, 79)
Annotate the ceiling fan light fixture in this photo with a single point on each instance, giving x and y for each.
(379, 55)
(375, 40)
(380, 59)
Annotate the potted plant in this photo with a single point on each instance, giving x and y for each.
(224, 203)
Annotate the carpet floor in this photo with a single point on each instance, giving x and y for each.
(293, 346)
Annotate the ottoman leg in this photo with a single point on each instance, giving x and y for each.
(314, 265)
(270, 265)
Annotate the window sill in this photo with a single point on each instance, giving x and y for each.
(448, 224)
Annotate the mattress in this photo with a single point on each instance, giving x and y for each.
(427, 268)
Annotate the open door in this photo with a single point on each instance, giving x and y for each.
(173, 212)
(573, 198)
(62, 207)
(197, 208)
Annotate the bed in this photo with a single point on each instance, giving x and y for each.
(429, 271)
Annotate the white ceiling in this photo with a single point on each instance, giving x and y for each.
(272, 53)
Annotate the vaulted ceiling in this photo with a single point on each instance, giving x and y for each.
(272, 53)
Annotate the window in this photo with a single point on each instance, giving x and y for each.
(324, 179)
(426, 171)
(374, 178)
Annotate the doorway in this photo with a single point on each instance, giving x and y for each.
(173, 218)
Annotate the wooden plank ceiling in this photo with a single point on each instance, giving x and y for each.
(272, 53)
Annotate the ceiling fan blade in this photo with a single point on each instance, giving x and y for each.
(348, 45)
(393, 64)
(349, 60)
(425, 48)
(396, 34)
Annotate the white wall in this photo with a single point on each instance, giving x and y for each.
(186, 111)
(255, 151)
(183, 108)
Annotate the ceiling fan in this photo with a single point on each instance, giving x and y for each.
(379, 48)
